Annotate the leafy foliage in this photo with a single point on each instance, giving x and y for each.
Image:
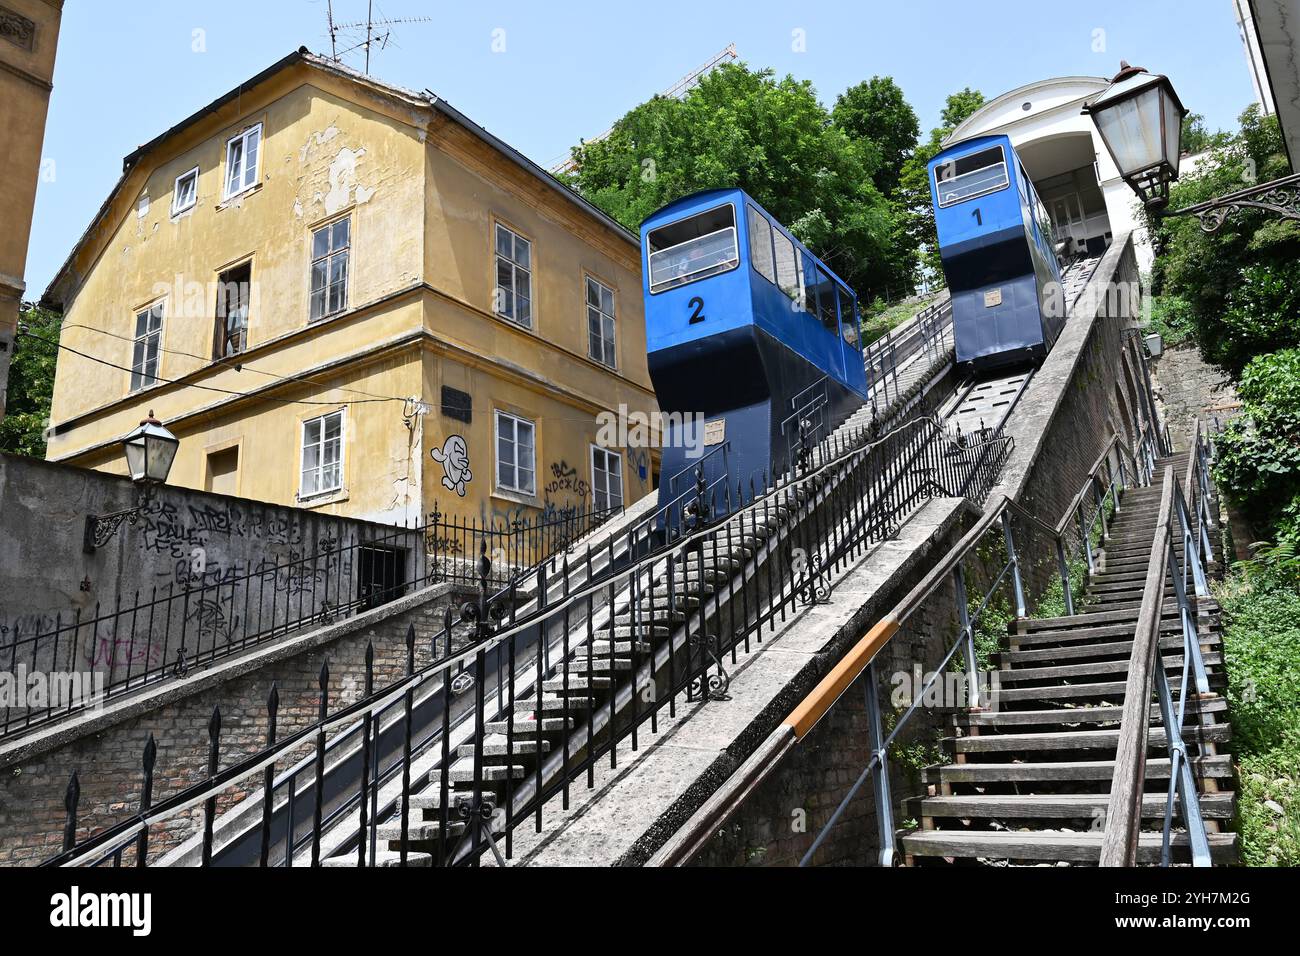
(1259, 453)
(1238, 284)
(1261, 643)
(773, 138)
(31, 385)
(1173, 318)
(914, 202)
(876, 110)
(1196, 138)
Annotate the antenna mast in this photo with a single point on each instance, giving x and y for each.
(368, 24)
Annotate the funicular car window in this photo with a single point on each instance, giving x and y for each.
(760, 245)
(848, 322)
(692, 248)
(969, 176)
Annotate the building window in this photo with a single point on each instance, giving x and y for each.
(514, 289)
(606, 479)
(330, 250)
(516, 466)
(186, 191)
(322, 455)
(242, 155)
(600, 323)
(148, 343)
(233, 293)
(223, 472)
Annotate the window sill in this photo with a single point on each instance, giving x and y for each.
(335, 496)
(518, 497)
(235, 198)
(530, 329)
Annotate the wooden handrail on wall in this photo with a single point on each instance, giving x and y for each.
(1124, 809)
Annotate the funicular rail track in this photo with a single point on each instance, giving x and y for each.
(606, 627)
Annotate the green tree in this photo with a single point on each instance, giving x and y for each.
(1239, 282)
(31, 384)
(914, 184)
(876, 110)
(1196, 138)
(771, 137)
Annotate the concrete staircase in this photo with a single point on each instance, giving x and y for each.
(1028, 782)
(600, 673)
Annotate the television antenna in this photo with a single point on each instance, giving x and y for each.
(372, 27)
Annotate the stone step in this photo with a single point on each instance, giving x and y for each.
(1069, 806)
(462, 771)
(1089, 618)
(417, 831)
(1079, 739)
(1070, 847)
(1097, 771)
(549, 725)
(576, 683)
(382, 858)
(495, 746)
(579, 665)
(1075, 716)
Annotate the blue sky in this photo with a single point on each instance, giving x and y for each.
(129, 69)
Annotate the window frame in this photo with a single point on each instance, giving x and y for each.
(331, 253)
(177, 209)
(703, 274)
(1006, 175)
(497, 415)
(304, 424)
(221, 323)
(595, 485)
(242, 138)
(754, 216)
(516, 237)
(138, 380)
(612, 345)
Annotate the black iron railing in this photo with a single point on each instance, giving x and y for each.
(146, 638)
(604, 631)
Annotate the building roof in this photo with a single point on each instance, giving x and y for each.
(1021, 94)
(56, 291)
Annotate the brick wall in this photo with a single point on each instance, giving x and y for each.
(106, 749)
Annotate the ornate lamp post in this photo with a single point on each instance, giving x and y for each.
(150, 450)
(1140, 119)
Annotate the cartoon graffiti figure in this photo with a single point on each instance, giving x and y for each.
(454, 458)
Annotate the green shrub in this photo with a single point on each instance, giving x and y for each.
(1261, 644)
(1259, 453)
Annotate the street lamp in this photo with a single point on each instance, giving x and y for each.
(150, 450)
(1140, 119)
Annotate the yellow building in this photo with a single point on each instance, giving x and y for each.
(29, 36)
(347, 296)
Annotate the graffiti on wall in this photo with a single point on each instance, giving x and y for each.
(454, 458)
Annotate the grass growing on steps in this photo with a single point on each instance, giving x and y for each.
(1261, 645)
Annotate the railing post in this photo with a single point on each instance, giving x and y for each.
(1017, 583)
(1063, 567)
(1085, 539)
(884, 799)
(972, 660)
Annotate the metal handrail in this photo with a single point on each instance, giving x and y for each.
(1146, 666)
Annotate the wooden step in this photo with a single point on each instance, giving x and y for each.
(1070, 806)
(1080, 739)
(1100, 771)
(1071, 847)
(1022, 675)
(1096, 649)
(1070, 716)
